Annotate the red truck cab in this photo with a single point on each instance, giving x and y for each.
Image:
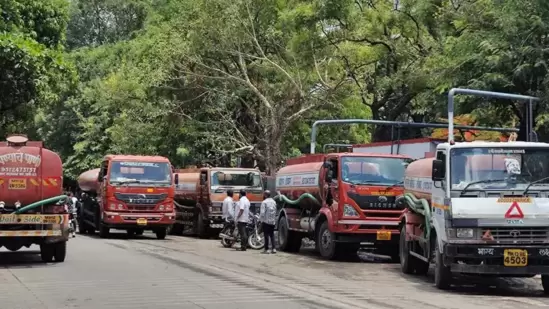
(132, 193)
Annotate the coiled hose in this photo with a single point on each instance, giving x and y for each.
(39, 204)
(422, 207)
(283, 198)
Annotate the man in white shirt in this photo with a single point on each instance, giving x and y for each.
(228, 206)
(242, 219)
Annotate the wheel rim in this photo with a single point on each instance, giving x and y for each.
(326, 239)
(282, 233)
(256, 241)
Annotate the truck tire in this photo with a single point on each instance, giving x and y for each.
(104, 231)
(443, 275)
(60, 251)
(410, 264)
(47, 252)
(545, 284)
(200, 228)
(326, 242)
(161, 233)
(288, 241)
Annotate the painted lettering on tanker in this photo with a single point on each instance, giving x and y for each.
(418, 184)
(17, 171)
(186, 186)
(19, 157)
(302, 180)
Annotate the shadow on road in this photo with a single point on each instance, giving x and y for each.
(21, 259)
(476, 285)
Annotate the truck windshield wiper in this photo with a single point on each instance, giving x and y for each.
(477, 182)
(533, 183)
(123, 182)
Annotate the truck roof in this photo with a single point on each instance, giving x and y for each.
(198, 169)
(310, 158)
(136, 158)
(485, 144)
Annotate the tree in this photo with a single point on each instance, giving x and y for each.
(34, 73)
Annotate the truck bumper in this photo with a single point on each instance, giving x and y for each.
(138, 221)
(489, 260)
(385, 232)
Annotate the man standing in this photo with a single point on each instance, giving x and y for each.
(228, 207)
(242, 219)
(267, 216)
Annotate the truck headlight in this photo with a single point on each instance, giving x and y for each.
(161, 207)
(464, 233)
(349, 211)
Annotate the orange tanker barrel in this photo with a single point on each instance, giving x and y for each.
(299, 178)
(28, 172)
(417, 178)
(87, 181)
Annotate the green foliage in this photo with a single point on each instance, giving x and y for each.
(206, 81)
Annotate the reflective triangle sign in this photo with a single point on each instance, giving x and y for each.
(514, 212)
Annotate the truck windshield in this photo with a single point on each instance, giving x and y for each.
(244, 179)
(140, 173)
(514, 168)
(373, 170)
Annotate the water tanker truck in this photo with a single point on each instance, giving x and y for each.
(478, 208)
(341, 200)
(132, 193)
(32, 207)
(200, 193)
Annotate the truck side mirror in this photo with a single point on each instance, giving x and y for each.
(176, 179)
(438, 170)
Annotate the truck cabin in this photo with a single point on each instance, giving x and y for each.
(136, 172)
(496, 168)
(221, 179)
(236, 179)
(370, 169)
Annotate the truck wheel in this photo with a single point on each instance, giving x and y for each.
(545, 284)
(161, 233)
(326, 242)
(103, 231)
(443, 276)
(287, 240)
(60, 249)
(200, 227)
(47, 252)
(406, 261)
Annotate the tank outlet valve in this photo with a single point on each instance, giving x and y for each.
(17, 204)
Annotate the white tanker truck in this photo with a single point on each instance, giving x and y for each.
(478, 208)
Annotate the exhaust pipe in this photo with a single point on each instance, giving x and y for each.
(225, 236)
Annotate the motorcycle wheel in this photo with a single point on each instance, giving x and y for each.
(227, 243)
(256, 241)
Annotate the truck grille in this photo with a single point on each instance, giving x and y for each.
(375, 202)
(140, 199)
(535, 234)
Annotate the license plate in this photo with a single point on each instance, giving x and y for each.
(17, 184)
(383, 235)
(141, 221)
(515, 257)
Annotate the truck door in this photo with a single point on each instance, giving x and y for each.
(204, 189)
(103, 172)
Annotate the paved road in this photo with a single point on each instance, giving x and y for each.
(182, 272)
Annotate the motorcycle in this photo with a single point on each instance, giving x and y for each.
(229, 234)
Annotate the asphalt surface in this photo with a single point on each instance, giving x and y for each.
(184, 272)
